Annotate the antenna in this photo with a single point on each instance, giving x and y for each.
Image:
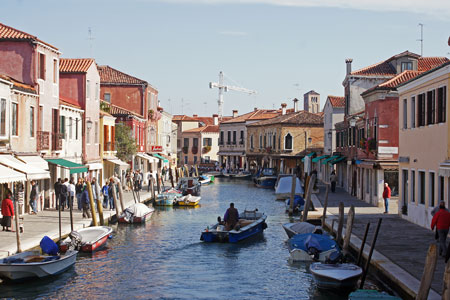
(90, 38)
(170, 106)
(421, 38)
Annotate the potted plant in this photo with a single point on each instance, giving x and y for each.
(194, 150)
(206, 149)
(185, 149)
(151, 112)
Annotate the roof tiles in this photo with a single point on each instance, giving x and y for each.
(204, 129)
(337, 101)
(10, 33)
(110, 75)
(297, 118)
(259, 114)
(75, 65)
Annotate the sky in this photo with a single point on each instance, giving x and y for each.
(279, 48)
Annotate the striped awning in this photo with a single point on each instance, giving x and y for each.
(316, 159)
(324, 162)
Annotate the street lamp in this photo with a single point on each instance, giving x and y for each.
(89, 124)
(352, 122)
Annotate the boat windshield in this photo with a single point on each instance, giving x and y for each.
(268, 172)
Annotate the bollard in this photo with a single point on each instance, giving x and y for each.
(372, 248)
(325, 205)
(291, 204)
(91, 201)
(171, 177)
(16, 219)
(113, 189)
(349, 228)
(340, 223)
(427, 276)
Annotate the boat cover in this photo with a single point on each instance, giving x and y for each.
(298, 201)
(285, 186)
(302, 227)
(136, 210)
(307, 241)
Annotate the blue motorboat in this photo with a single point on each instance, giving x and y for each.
(299, 203)
(266, 178)
(312, 247)
(250, 223)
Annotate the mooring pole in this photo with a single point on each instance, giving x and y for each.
(349, 228)
(341, 223)
(17, 214)
(291, 204)
(92, 203)
(372, 248)
(325, 205)
(363, 243)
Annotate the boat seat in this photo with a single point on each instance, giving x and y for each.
(243, 222)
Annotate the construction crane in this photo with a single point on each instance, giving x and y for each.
(224, 88)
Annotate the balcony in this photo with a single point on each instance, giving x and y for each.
(57, 141)
(43, 140)
(241, 142)
(108, 146)
(194, 150)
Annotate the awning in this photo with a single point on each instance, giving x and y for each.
(309, 154)
(160, 157)
(444, 169)
(316, 159)
(118, 162)
(95, 166)
(34, 160)
(73, 167)
(32, 173)
(147, 157)
(338, 160)
(8, 175)
(330, 159)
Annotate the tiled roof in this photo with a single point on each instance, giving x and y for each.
(68, 102)
(400, 78)
(259, 114)
(426, 73)
(9, 33)
(204, 120)
(297, 118)
(183, 118)
(110, 75)
(119, 111)
(204, 129)
(19, 86)
(337, 101)
(383, 68)
(428, 63)
(312, 92)
(75, 65)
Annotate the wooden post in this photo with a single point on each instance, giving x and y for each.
(120, 189)
(196, 170)
(17, 214)
(71, 212)
(325, 205)
(153, 189)
(372, 248)
(291, 204)
(341, 223)
(307, 179)
(176, 174)
(446, 289)
(100, 211)
(427, 276)
(91, 201)
(113, 190)
(187, 170)
(348, 229)
(363, 243)
(171, 177)
(158, 185)
(58, 201)
(308, 198)
(332, 226)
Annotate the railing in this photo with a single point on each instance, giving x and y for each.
(372, 145)
(43, 140)
(194, 150)
(57, 141)
(108, 146)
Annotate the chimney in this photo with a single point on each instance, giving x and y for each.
(255, 109)
(194, 116)
(283, 108)
(348, 61)
(235, 113)
(295, 104)
(216, 119)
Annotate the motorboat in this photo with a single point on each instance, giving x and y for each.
(299, 203)
(214, 173)
(189, 185)
(300, 228)
(205, 180)
(339, 277)
(31, 264)
(242, 175)
(266, 178)
(166, 199)
(250, 223)
(187, 200)
(312, 247)
(90, 238)
(283, 188)
(136, 214)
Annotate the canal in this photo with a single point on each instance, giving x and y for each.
(165, 259)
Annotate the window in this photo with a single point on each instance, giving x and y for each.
(221, 138)
(88, 88)
(274, 138)
(70, 127)
(407, 66)
(288, 142)
(76, 128)
(41, 71)
(421, 110)
(421, 187)
(195, 159)
(96, 132)
(441, 104)
(241, 140)
(279, 142)
(413, 186)
(185, 160)
(14, 119)
(441, 185)
(431, 107)
(413, 112)
(251, 141)
(260, 141)
(229, 138)
(431, 183)
(186, 142)
(234, 137)
(405, 187)
(265, 140)
(405, 114)
(195, 142)
(337, 139)
(107, 97)
(62, 126)
(3, 117)
(207, 141)
(97, 91)
(31, 121)
(55, 71)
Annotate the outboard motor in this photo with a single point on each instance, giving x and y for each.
(334, 258)
(75, 241)
(314, 252)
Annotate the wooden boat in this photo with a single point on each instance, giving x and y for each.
(299, 228)
(137, 213)
(166, 199)
(284, 187)
(31, 264)
(189, 185)
(339, 277)
(250, 224)
(92, 238)
(242, 175)
(266, 179)
(187, 200)
(312, 247)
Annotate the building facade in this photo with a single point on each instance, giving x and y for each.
(311, 102)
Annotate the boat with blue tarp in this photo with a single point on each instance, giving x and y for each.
(312, 247)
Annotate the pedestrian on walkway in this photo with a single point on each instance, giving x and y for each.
(63, 195)
(7, 212)
(333, 180)
(78, 192)
(57, 187)
(163, 175)
(72, 191)
(105, 195)
(111, 194)
(34, 194)
(149, 178)
(386, 197)
(95, 190)
(85, 201)
(442, 222)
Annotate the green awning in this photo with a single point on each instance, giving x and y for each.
(338, 160)
(310, 154)
(330, 159)
(316, 159)
(73, 167)
(160, 157)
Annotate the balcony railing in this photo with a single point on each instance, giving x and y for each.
(43, 140)
(57, 141)
(108, 146)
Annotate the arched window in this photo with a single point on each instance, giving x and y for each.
(288, 142)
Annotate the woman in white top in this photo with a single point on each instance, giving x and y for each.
(71, 191)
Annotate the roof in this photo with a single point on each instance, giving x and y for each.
(19, 86)
(426, 73)
(428, 63)
(68, 102)
(336, 101)
(119, 111)
(204, 120)
(259, 114)
(183, 118)
(110, 75)
(75, 65)
(204, 129)
(313, 92)
(10, 33)
(297, 118)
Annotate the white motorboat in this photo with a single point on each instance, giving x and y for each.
(31, 264)
(92, 238)
(340, 277)
(300, 227)
(284, 187)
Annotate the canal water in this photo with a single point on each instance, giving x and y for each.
(165, 259)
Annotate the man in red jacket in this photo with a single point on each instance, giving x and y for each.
(386, 197)
(7, 212)
(442, 221)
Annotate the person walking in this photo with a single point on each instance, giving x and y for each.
(71, 192)
(386, 197)
(95, 191)
(34, 195)
(441, 220)
(85, 202)
(333, 180)
(7, 212)
(149, 178)
(64, 192)
(105, 196)
(111, 194)
(78, 192)
(57, 187)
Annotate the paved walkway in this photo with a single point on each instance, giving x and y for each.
(399, 241)
(47, 223)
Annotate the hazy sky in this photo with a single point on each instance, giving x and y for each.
(280, 48)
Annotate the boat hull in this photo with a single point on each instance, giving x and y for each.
(137, 220)
(337, 277)
(164, 202)
(94, 243)
(266, 183)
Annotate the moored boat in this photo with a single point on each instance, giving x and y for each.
(312, 247)
(284, 187)
(204, 179)
(166, 199)
(338, 277)
(187, 200)
(91, 238)
(266, 179)
(250, 223)
(189, 185)
(32, 264)
(242, 175)
(136, 214)
(299, 228)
